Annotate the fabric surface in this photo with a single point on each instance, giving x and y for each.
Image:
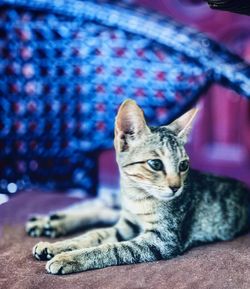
(222, 265)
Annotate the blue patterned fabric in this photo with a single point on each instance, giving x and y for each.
(67, 65)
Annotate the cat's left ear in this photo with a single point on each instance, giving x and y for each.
(183, 124)
(130, 125)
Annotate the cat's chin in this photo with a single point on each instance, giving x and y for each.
(167, 196)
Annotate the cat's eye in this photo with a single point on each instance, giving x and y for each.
(184, 166)
(156, 164)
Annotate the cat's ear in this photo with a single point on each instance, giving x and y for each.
(130, 125)
(183, 124)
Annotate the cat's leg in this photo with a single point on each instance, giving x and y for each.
(123, 230)
(83, 215)
(144, 248)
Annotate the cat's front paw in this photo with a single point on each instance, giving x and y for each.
(46, 250)
(43, 251)
(64, 263)
(50, 226)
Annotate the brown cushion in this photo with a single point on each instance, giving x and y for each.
(218, 266)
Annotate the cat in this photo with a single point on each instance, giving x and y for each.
(166, 207)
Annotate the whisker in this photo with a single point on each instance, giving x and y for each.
(146, 185)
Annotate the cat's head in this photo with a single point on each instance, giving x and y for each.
(152, 159)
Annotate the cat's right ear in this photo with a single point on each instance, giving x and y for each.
(183, 124)
(130, 125)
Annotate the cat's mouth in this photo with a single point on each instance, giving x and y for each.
(167, 196)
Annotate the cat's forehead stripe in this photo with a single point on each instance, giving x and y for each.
(159, 152)
(166, 138)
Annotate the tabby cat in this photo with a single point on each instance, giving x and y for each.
(166, 207)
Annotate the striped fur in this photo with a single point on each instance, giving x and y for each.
(163, 211)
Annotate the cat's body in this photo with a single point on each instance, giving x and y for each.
(165, 208)
(215, 208)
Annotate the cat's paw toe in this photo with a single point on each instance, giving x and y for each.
(34, 226)
(61, 264)
(51, 230)
(55, 226)
(34, 231)
(43, 251)
(56, 216)
(33, 218)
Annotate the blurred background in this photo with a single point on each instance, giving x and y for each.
(56, 130)
(220, 142)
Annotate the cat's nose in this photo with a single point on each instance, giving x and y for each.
(174, 189)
